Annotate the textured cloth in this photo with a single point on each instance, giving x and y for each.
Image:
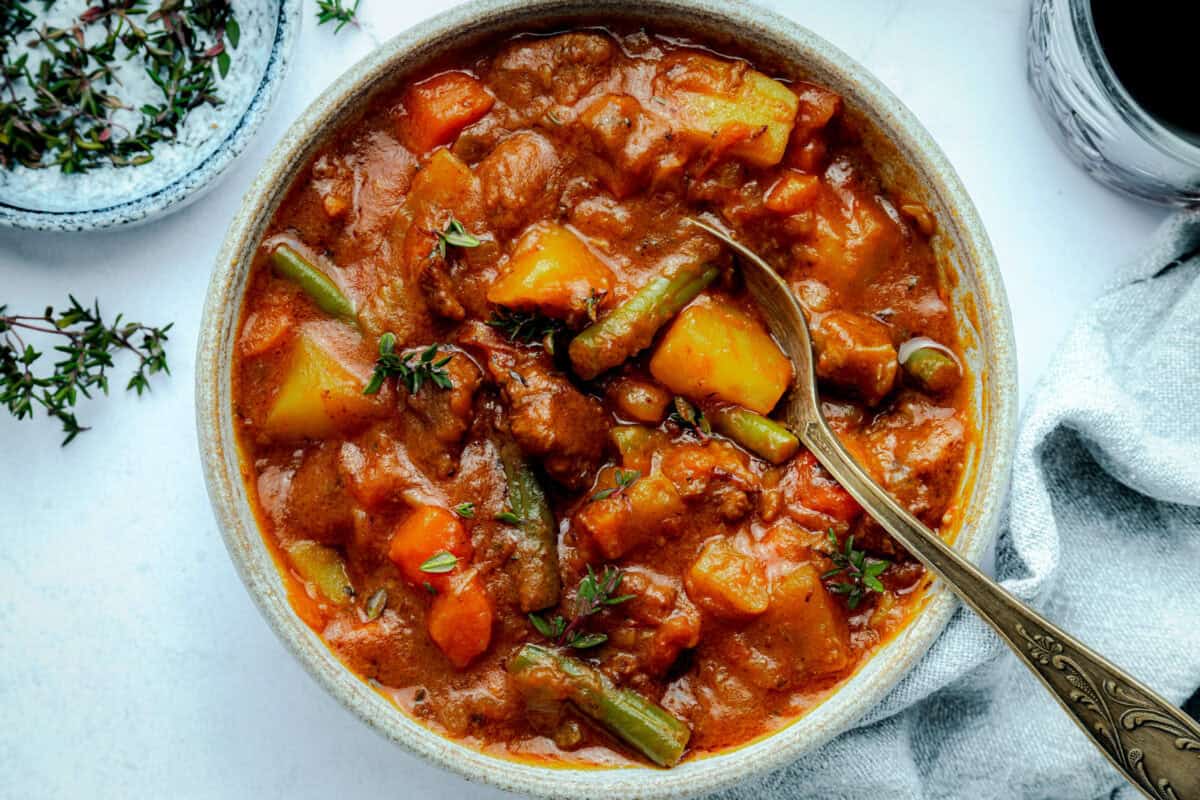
(1102, 533)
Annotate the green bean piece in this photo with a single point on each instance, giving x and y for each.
(932, 369)
(630, 327)
(760, 435)
(315, 283)
(638, 722)
(324, 568)
(538, 581)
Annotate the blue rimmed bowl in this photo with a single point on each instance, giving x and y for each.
(109, 197)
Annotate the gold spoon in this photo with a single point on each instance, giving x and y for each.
(1154, 744)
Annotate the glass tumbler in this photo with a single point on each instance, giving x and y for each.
(1099, 123)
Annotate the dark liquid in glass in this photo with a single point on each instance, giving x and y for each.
(1151, 48)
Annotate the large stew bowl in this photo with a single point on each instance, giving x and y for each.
(908, 160)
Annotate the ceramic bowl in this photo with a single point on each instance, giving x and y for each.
(281, 19)
(909, 159)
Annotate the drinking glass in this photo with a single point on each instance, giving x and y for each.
(1099, 123)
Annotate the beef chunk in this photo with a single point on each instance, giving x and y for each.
(855, 352)
(314, 507)
(639, 147)
(549, 418)
(519, 181)
(716, 473)
(566, 66)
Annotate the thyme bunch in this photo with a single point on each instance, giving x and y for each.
(59, 111)
(86, 354)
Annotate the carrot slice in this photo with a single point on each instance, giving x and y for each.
(460, 619)
(425, 533)
(439, 108)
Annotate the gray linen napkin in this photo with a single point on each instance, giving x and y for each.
(1102, 533)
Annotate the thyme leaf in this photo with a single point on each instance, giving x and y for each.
(527, 328)
(376, 604)
(440, 563)
(455, 235)
(691, 418)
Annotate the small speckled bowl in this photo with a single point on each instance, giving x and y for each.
(197, 178)
(909, 161)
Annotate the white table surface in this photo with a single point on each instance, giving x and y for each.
(133, 663)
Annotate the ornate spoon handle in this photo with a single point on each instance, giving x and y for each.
(1151, 741)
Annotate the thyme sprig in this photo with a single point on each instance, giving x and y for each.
(624, 479)
(691, 418)
(595, 593)
(411, 374)
(527, 328)
(57, 110)
(88, 345)
(862, 575)
(334, 11)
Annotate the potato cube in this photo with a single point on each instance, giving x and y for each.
(727, 582)
(713, 349)
(622, 522)
(806, 627)
(726, 101)
(792, 193)
(552, 271)
(321, 393)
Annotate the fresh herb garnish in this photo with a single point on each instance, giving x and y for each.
(455, 235)
(413, 375)
(86, 354)
(689, 416)
(440, 563)
(508, 517)
(595, 592)
(58, 110)
(593, 303)
(376, 604)
(465, 510)
(624, 478)
(862, 574)
(526, 328)
(334, 11)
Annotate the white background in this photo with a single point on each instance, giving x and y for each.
(132, 662)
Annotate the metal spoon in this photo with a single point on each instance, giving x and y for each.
(1154, 744)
